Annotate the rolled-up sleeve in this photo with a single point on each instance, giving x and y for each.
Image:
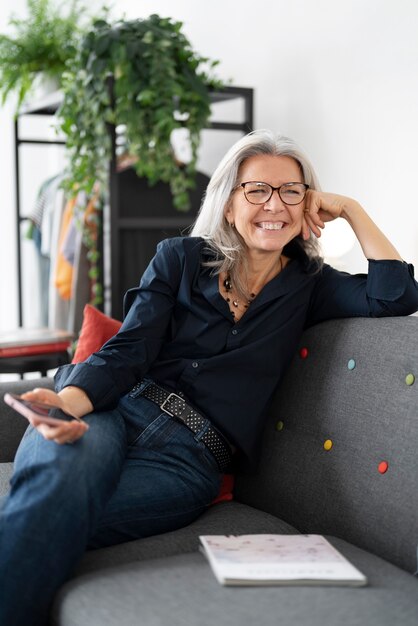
(126, 358)
(388, 289)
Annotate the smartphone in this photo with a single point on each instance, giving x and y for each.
(37, 410)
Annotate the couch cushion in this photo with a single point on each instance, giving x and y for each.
(5, 475)
(181, 590)
(351, 391)
(96, 329)
(228, 517)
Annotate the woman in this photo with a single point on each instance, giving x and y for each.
(184, 386)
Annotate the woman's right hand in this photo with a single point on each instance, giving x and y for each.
(65, 432)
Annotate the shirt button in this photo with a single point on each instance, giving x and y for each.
(235, 332)
(195, 364)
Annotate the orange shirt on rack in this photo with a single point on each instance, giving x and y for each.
(63, 269)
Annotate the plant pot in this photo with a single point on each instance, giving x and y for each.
(43, 86)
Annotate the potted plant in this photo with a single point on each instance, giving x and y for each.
(142, 74)
(40, 45)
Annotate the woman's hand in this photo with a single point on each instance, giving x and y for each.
(65, 432)
(322, 207)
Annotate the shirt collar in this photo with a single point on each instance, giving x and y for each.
(290, 279)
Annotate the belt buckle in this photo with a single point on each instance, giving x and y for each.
(173, 396)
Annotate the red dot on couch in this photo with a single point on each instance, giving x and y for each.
(383, 467)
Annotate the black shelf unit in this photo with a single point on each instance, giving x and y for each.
(137, 216)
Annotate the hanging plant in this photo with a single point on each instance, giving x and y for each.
(144, 75)
(39, 44)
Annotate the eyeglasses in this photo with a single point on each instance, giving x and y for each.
(259, 193)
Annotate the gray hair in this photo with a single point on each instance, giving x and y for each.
(211, 223)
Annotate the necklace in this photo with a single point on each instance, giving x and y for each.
(233, 302)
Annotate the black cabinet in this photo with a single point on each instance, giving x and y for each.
(139, 216)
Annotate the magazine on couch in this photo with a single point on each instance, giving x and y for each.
(278, 560)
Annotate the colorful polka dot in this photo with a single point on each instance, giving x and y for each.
(328, 444)
(279, 425)
(303, 352)
(351, 364)
(383, 467)
(410, 379)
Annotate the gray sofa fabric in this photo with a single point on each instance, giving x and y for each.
(371, 415)
(351, 390)
(5, 475)
(181, 590)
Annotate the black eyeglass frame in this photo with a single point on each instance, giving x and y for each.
(273, 189)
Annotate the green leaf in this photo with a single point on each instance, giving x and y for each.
(148, 37)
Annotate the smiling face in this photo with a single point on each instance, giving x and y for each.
(268, 227)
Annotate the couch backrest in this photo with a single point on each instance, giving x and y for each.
(352, 394)
(13, 425)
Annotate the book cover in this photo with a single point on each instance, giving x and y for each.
(278, 560)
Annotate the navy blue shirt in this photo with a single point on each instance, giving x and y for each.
(178, 330)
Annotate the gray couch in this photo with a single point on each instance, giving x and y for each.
(351, 390)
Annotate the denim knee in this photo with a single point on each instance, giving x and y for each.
(85, 470)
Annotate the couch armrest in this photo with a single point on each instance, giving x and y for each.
(13, 425)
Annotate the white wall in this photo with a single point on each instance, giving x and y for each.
(339, 77)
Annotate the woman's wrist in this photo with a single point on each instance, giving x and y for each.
(374, 243)
(352, 210)
(75, 401)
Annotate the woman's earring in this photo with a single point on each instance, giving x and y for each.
(232, 225)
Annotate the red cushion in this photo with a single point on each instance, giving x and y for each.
(225, 493)
(96, 329)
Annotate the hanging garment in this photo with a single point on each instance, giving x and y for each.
(85, 277)
(63, 272)
(58, 307)
(38, 230)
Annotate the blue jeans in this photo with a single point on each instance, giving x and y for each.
(136, 472)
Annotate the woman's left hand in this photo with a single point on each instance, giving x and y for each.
(322, 207)
(64, 431)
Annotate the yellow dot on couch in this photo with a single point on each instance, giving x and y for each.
(279, 425)
(410, 379)
(328, 444)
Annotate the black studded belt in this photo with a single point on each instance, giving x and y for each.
(176, 406)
